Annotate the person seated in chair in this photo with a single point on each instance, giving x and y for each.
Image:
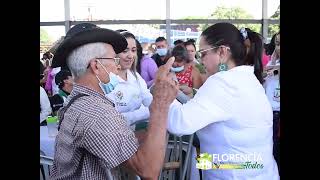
(64, 81)
(45, 109)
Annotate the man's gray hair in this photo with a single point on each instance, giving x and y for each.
(79, 58)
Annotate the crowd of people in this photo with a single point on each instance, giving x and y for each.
(98, 84)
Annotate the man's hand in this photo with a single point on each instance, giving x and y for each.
(165, 89)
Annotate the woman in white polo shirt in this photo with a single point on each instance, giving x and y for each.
(230, 113)
(131, 95)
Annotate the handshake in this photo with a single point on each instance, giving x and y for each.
(166, 88)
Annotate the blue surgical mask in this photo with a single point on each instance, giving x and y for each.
(177, 69)
(162, 51)
(108, 87)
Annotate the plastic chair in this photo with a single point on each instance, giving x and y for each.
(175, 164)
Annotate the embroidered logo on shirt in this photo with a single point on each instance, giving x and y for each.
(119, 95)
(276, 95)
(121, 104)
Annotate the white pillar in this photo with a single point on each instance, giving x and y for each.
(168, 22)
(67, 15)
(265, 19)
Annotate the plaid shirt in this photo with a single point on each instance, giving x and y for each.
(93, 138)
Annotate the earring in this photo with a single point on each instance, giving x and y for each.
(222, 67)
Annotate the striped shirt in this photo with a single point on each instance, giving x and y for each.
(93, 138)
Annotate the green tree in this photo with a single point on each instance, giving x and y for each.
(222, 12)
(44, 36)
(200, 28)
(274, 28)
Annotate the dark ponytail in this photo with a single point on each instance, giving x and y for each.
(271, 46)
(246, 46)
(140, 55)
(254, 52)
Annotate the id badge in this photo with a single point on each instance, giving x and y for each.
(276, 95)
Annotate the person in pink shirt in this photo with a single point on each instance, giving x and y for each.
(48, 84)
(51, 86)
(265, 58)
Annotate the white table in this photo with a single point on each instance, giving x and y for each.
(46, 142)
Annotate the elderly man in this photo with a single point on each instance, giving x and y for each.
(93, 137)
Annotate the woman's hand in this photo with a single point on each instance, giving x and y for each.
(186, 89)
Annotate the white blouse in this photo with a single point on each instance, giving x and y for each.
(272, 87)
(44, 105)
(132, 98)
(231, 115)
(55, 87)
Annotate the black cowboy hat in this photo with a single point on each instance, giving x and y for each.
(84, 35)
